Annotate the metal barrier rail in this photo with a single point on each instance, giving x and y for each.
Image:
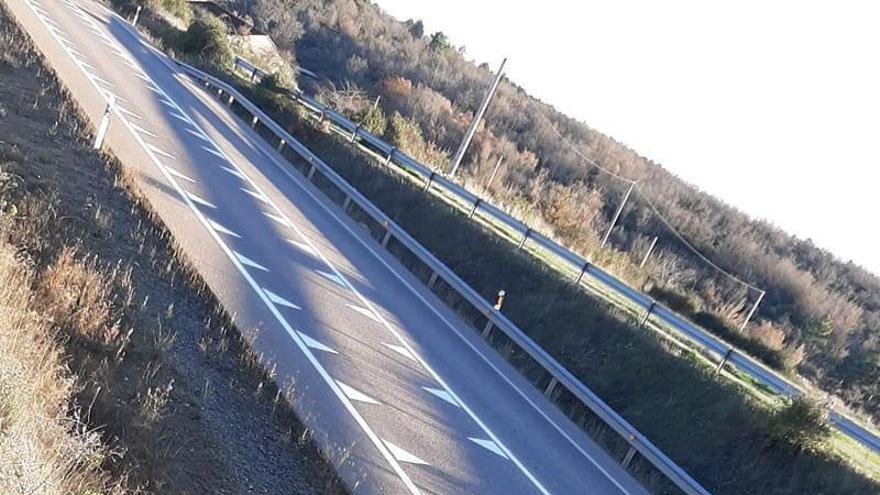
(709, 345)
(559, 376)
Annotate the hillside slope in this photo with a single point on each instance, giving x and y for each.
(820, 315)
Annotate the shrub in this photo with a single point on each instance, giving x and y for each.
(801, 424)
(206, 39)
(674, 300)
(372, 119)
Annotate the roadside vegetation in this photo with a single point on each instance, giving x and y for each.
(119, 372)
(729, 441)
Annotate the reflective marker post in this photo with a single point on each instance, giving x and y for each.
(103, 125)
(137, 13)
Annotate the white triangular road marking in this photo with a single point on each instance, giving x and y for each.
(437, 392)
(198, 135)
(356, 395)
(314, 344)
(233, 172)
(403, 351)
(214, 152)
(331, 277)
(201, 201)
(160, 152)
(178, 174)
(249, 262)
(254, 194)
(402, 455)
(278, 219)
(488, 445)
(223, 230)
(364, 311)
(280, 301)
(303, 246)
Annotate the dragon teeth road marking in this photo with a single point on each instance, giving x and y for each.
(403, 351)
(278, 219)
(214, 152)
(129, 112)
(302, 246)
(404, 456)
(488, 445)
(142, 130)
(280, 301)
(174, 172)
(244, 260)
(197, 134)
(329, 276)
(201, 201)
(177, 115)
(253, 194)
(442, 394)
(160, 152)
(357, 395)
(223, 230)
(233, 172)
(364, 311)
(314, 344)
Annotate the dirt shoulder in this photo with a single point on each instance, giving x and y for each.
(156, 370)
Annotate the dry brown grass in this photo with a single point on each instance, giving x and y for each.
(44, 447)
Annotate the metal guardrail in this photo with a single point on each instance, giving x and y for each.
(558, 377)
(709, 345)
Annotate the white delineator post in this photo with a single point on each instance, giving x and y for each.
(752, 312)
(137, 13)
(495, 170)
(103, 125)
(648, 254)
(456, 160)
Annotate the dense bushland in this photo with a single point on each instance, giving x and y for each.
(820, 315)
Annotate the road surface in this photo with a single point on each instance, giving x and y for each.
(400, 394)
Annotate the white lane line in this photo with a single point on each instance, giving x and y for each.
(356, 395)
(404, 456)
(233, 172)
(442, 394)
(214, 152)
(488, 445)
(223, 230)
(128, 112)
(403, 351)
(244, 260)
(253, 194)
(160, 152)
(197, 134)
(302, 246)
(278, 300)
(201, 201)
(314, 344)
(144, 78)
(276, 218)
(177, 174)
(142, 130)
(165, 102)
(333, 278)
(364, 311)
(175, 114)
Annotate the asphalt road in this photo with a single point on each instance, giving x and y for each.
(400, 394)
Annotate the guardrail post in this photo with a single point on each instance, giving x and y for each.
(254, 121)
(230, 100)
(628, 457)
(487, 329)
(432, 280)
(387, 236)
(724, 360)
(390, 156)
(580, 276)
(474, 208)
(254, 75)
(311, 172)
(648, 313)
(354, 133)
(321, 117)
(522, 241)
(219, 92)
(346, 203)
(429, 181)
(207, 82)
(280, 145)
(551, 386)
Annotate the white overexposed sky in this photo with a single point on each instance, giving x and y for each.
(774, 106)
